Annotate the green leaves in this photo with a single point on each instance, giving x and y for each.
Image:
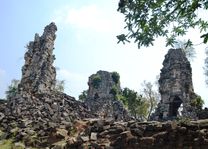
(146, 20)
(179, 30)
(12, 89)
(122, 38)
(171, 40)
(96, 80)
(205, 36)
(116, 77)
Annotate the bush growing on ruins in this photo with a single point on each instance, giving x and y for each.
(116, 77)
(83, 95)
(121, 98)
(114, 91)
(96, 80)
(12, 88)
(151, 97)
(137, 106)
(197, 102)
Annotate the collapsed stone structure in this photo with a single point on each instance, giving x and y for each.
(100, 97)
(38, 73)
(37, 111)
(38, 116)
(105, 134)
(176, 87)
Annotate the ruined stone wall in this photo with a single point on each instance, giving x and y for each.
(176, 86)
(38, 73)
(103, 87)
(100, 99)
(36, 109)
(143, 135)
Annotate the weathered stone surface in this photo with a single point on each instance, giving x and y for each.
(38, 73)
(104, 86)
(176, 87)
(171, 135)
(203, 114)
(100, 99)
(37, 115)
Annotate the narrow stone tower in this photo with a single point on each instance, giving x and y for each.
(38, 73)
(176, 87)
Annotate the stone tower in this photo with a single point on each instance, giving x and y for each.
(38, 73)
(105, 83)
(176, 86)
(100, 97)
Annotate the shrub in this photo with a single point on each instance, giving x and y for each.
(114, 90)
(96, 80)
(197, 102)
(116, 77)
(83, 95)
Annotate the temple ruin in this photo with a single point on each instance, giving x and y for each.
(175, 87)
(100, 98)
(38, 73)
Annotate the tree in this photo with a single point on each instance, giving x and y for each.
(188, 49)
(114, 91)
(197, 102)
(151, 96)
(137, 106)
(83, 95)
(60, 85)
(12, 89)
(147, 19)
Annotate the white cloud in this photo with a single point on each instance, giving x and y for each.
(91, 17)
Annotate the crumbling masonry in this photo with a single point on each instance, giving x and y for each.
(176, 87)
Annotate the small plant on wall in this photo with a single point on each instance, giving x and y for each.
(114, 91)
(96, 80)
(116, 77)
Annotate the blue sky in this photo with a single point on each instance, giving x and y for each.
(86, 42)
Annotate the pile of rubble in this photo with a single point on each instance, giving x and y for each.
(41, 117)
(107, 134)
(36, 111)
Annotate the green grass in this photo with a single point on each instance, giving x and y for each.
(6, 144)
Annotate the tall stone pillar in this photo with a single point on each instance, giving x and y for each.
(176, 87)
(38, 73)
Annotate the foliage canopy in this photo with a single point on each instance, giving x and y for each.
(147, 19)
